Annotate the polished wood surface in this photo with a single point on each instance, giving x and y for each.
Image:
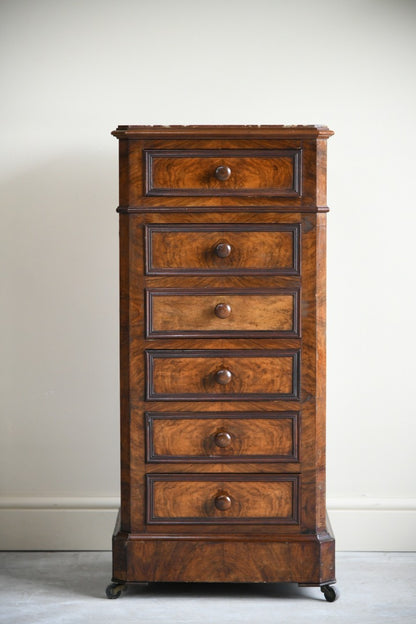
(223, 250)
(225, 561)
(223, 310)
(134, 381)
(207, 312)
(227, 249)
(202, 375)
(253, 445)
(308, 142)
(236, 437)
(222, 439)
(223, 172)
(217, 499)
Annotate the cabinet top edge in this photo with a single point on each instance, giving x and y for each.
(212, 131)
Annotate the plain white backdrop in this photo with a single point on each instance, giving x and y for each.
(71, 71)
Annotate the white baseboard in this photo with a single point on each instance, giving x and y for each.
(373, 523)
(86, 523)
(65, 523)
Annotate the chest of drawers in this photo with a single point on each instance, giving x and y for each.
(222, 323)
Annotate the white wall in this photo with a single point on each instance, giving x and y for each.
(72, 71)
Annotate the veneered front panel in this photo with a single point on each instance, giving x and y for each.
(222, 498)
(222, 312)
(223, 172)
(228, 560)
(206, 374)
(199, 249)
(211, 437)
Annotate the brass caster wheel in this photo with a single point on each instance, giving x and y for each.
(330, 592)
(114, 590)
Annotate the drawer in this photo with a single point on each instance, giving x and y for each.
(216, 313)
(222, 374)
(247, 499)
(223, 172)
(212, 437)
(232, 249)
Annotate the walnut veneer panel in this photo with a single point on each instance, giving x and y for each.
(222, 499)
(211, 437)
(229, 561)
(194, 249)
(208, 313)
(204, 375)
(223, 172)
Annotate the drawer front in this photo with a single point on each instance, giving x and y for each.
(275, 173)
(232, 249)
(230, 499)
(212, 437)
(215, 313)
(233, 375)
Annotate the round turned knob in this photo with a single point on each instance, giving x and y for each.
(222, 310)
(222, 172)
(222, 439)
(223, 250)
(223, 501)
(223, 376)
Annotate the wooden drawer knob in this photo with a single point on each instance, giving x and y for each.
(223, 250)
(223, 376)
(222, 310)
(222, 439)
(223, 501)
(222, 172)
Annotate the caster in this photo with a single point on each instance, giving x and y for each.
(114, 590)
(330, 592)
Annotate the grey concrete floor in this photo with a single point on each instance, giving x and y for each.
(68, 588)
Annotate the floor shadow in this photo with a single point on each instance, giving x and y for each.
(233, 591)
(87, 574)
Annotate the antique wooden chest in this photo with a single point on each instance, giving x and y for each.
(222, 309)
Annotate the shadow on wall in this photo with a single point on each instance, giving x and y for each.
(61, 246)
(60, 253)
(61, 193)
